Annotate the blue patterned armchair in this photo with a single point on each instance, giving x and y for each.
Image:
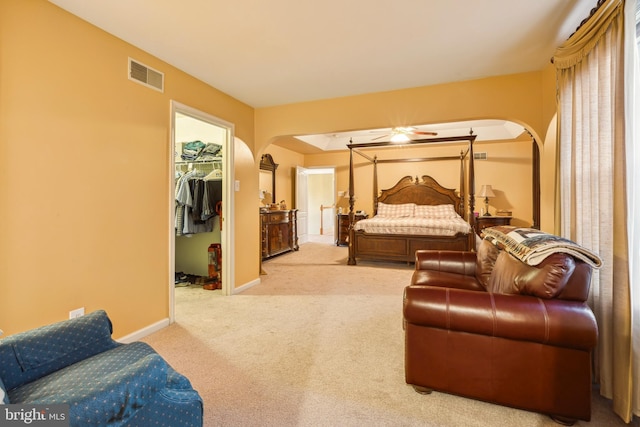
(105, 383)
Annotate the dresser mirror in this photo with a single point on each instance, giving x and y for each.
(268, 178)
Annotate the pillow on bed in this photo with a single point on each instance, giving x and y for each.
(403, 210)
(435, 211)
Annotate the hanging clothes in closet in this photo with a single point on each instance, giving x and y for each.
(197, 194)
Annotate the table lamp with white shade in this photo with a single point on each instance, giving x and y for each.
(486, 191)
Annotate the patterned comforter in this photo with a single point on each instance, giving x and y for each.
(414, 226)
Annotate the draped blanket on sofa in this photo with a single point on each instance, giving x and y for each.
(532, 246)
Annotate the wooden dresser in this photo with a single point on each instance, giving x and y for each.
(278, 232)
(342, 227)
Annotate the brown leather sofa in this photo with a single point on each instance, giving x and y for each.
(485, 325)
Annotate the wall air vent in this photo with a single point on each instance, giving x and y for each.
(480, 156)
(147, 76)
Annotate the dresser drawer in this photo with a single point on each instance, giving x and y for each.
(277, 217)
(278, 232)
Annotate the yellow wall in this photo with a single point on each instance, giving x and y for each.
(516, 97)
(287, 161)
(526, 98)
(508, 169)
(245, 216)
(84, 162)
(84, 170)
(191, 252)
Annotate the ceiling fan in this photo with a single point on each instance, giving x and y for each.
(404, 134)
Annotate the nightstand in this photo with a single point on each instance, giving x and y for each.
(342, 227)
(491, 221)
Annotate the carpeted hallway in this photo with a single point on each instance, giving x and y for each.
(317, 343)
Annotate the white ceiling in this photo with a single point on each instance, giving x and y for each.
(485, 130)
(273, 52)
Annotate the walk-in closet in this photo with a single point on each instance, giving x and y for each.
(198, 162)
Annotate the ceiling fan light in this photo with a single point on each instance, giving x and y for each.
(403, 129)
(400, 137)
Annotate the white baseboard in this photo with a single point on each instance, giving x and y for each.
(161, 324)
(246, 286)
(141, 333)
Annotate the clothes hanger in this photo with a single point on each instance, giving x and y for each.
(215, 175)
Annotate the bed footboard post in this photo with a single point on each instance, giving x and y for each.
(352, 254)
(472, 186)
(463, 174)
(375, 185)
(352, 258)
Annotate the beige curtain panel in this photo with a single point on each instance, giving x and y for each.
(591, 202)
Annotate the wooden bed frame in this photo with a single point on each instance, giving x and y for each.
(427, 191)
(402, 247)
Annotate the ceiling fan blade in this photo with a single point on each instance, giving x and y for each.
(380, 137)
(417, 132)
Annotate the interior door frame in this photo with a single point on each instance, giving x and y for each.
(227, 232)
(303, 216)
(301, 204)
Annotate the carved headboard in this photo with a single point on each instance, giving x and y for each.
(421, 192)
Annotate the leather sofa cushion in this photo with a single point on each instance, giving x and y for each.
(577, 288)
(445, 279)
(485, 260)
(545, 280)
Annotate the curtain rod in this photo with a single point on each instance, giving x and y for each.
(584, 21)
(593, 11)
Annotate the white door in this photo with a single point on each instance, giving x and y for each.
(302, 204)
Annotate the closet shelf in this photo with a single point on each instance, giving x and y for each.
(186, 162)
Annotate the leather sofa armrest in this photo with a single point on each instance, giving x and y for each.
(445, 280)
(561, 323)
(459, 262)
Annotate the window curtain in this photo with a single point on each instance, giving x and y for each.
(594, 195)
(632, 135)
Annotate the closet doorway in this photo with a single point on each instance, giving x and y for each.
(201, 171)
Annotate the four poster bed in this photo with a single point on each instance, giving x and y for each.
(415, 213)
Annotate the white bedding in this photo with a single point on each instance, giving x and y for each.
(414, 225)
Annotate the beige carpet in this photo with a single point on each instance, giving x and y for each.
(317, 343)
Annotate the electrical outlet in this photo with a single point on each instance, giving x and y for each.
(76, 313)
